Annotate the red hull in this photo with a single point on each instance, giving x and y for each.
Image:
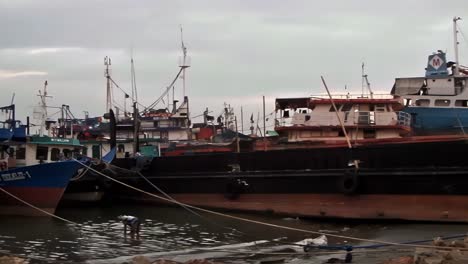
(453, 208)
(43, 197)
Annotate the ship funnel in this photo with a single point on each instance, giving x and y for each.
(437, 65)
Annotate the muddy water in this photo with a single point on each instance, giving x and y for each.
(175, 233)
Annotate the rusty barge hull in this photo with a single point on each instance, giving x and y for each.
(437, 208)
(425, 181)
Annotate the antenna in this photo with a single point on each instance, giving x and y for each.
(455, 44)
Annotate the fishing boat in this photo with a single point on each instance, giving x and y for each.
(33, 177)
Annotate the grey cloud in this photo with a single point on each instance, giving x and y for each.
(239, 49)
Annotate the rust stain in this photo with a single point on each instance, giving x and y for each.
(408, 207)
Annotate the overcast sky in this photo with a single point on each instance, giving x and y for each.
(240, 50)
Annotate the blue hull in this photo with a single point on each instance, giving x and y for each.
(41, 185)
(52, 175)
(431, 120)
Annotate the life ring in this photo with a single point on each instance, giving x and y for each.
(350, 182)
(234, 188)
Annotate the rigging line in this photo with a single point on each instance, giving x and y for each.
(265, 223)
(168, 88)
(116, 85)
(55, 113)
(118, 105)
(463, 35)
(186, 208)
(70, 113)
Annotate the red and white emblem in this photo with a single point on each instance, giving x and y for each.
(436, 62)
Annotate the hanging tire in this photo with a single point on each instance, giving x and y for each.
(233, 190)
(350, 182)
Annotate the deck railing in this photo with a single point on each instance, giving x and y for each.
(368, 118)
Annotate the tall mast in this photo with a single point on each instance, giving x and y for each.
(107, 63)
(184, 63)
(134, 87)
(455, 44)
(43, 104)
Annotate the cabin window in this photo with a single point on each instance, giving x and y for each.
(364, 118)
(164, 135)
(21, 153)
(346, 107)
(76, 152)
(380, 108)
(422, 102)
(332, 109)
(96, 150)
(407, 102)
(307, 118)
(41, 153)
(285, 114)
(55, 154)
(442, 102)
(67, 153)
(461, 103)
(84, 151)
(369, 133)
(121, 148)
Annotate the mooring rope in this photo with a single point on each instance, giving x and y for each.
(186, 208)
(37, 208)
(269, 224)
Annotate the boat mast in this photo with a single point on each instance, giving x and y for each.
(455, 44)
(183, 63)
(107, 63)
(43, 106)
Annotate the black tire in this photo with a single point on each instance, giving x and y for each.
(350, 182)
(233, 189)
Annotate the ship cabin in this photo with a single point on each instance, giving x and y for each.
(39, 149)
(315, 119)
(158, 128)
(439, 88)
(167, 125)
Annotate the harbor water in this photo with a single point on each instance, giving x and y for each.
(178, 234)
